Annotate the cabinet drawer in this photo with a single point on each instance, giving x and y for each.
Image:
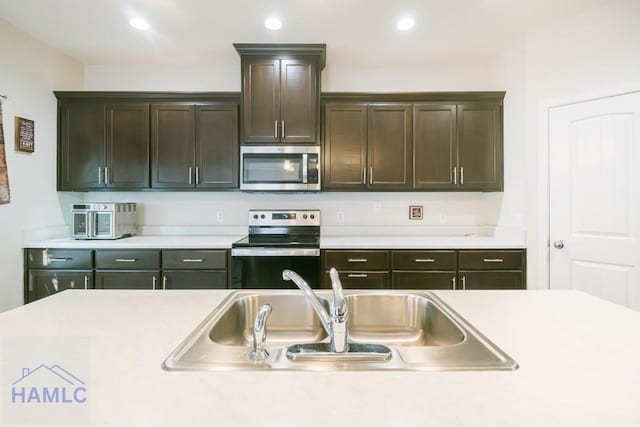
(423, 280)
(357, 260)
(491, 260)
(67, 259)
(127, 259)
(423, 260)
(361, 279)
(194, 259)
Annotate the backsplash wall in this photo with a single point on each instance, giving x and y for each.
(338, 209)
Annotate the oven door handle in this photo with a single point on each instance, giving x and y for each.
(246, 252)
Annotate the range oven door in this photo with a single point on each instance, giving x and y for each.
(261, 268)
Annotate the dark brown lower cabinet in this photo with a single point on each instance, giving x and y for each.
(470, 280)
(128, 279)
(43, 283)
(423, 279)
(194, 279)
(361, 279)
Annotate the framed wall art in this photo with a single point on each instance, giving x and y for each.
(24, 130)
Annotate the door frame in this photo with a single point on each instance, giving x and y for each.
(541, 240)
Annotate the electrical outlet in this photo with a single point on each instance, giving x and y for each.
(340, 216)
(220, 216)
(377, 208)
(415, 212)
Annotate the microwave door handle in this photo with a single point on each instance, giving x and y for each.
(305, 168)
(88, 224)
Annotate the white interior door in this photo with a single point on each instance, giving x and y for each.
(594, 160)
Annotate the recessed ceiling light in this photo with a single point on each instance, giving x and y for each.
(140, 24)
(273, 23)
(405, 23)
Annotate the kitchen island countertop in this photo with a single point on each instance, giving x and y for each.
(579, 366)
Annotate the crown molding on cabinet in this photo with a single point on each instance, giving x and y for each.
(284, 49)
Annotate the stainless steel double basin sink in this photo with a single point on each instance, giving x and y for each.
(422, 332)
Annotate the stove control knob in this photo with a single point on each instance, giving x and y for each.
(262, 216)
(255, 216)
(304, 216)
(312, 216)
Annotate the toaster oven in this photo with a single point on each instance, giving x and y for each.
(103, 220)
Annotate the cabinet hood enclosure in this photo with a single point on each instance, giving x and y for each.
(168, 141)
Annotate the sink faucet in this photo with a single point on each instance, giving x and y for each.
(336, 323)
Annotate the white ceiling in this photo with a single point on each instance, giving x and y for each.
(194, 31)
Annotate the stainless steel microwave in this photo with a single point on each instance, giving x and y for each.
(103, 220)
(280, 168)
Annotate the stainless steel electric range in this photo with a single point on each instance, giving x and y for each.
(277, 240)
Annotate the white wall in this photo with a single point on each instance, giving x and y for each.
(592, 52)
(351, 73)
(29, 73)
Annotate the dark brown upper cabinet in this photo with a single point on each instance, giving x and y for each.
(103, 145)
(435, 146)
(458, 146)
(480, 146)
(280, 93)
(389, 153)
(345, 146)
(194, 146)
(432, 141)
(367, 146)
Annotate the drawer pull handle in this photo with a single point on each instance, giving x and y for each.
(192, 260)
(126, 259)
(357, 276)
(493, 260)
(357, 260)
(425, 260)
(59, 259)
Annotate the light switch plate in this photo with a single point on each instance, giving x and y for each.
(415, 212)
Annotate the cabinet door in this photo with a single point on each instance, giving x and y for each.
(435, 150)
(361, 279)
(43, 283)
(217, 152)
(491, 280)
(194, 279)
(127, 156)
(345, 146)
(389, 154)
(172, 145)
(423, 279)
(298, 101)
(480, 146)
(82, 146)
(260, 100)
(127, 280)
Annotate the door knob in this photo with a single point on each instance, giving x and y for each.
(558, 244)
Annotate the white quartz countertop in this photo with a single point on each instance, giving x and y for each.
(372, 241)
(421, 242)
(141, 242)
(578, 359)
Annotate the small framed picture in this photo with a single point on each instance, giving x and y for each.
(415, 212)
(24, 130)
